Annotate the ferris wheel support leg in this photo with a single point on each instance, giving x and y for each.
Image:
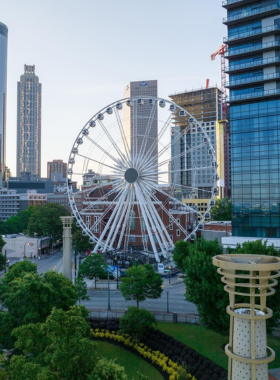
(126, 220)
(116, 225)
(142, 206)
(109, 222)
(161, 227)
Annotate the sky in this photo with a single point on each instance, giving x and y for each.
(86, 51)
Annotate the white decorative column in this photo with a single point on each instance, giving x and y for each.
(67, 245)
(252, 277)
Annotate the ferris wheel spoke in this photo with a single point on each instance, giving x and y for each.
(147, 132)
(94, 187)
(145, 216)
(159, 219)
(163, 130)
(101, 163)
(126, 226)
(114, 227)
(189, 188)
(124, 139)
(112, 216)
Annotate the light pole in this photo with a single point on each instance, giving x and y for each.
(109, 306)
(169, 274)
(24, 247)
(167, 293)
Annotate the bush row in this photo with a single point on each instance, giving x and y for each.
(197, 364)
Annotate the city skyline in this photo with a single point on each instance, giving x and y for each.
(76, 85)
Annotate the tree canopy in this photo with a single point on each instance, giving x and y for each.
(17, 223)
(45, 220)
(205, 289)
(136, 322)
(30, 297)
(92, 267)
(141, 282)
(81, 242)
(222, 210)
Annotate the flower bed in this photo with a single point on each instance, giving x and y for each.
(198, 365)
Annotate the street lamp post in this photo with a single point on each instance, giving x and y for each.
(169, 274)
(167, 293)
(109, 306)
(24, 247)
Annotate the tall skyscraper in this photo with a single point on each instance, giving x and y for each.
(254, 82)
(135, 89)
(29, 98)
(3, 97)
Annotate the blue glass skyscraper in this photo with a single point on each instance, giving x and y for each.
(254, 82)
(3, 96)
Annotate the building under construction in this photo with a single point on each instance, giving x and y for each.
(205, 105)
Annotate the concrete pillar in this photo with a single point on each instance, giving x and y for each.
(253, 277)
(67, 245)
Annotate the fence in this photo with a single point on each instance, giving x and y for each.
(160, 316)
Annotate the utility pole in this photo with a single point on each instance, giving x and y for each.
(5, 260)
(167, 293)
(109, 306)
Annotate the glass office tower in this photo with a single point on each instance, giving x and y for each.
(254, 82)
(3, 96)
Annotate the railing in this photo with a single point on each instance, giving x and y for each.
(252, 79)
(253, 95)
(251, 13)
(252, 48)
(252, 64)
(160, 316)
(250, 33)
(227, 2)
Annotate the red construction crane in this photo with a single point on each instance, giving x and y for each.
(221, 52)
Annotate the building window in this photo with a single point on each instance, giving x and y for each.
(144, 239)
(132, 220)
(171, 237)
(131, 238)
(171, 227)
(96, 226)
(88, 219)
(178, 232)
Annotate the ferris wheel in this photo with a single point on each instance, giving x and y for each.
(140, 162)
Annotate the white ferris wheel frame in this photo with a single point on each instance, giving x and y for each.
(136, 193)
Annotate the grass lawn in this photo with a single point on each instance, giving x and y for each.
(131, 363)
(209, 343)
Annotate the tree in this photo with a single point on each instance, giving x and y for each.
(81, 289)
(181, 251)
(59, 346)
(45, 220)
(81, 242)
(30, 298)
(92, 267)
(222, 210)
(136, 322)
(18, 223)
(108, 370)
(205, 289)
(140, 283)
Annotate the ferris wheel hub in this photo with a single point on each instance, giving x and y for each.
(131, 175)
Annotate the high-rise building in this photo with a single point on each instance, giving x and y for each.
(254, 82)
(56, 170)
(3, 97)
(29, 99)
(205, 106)
(135, 89)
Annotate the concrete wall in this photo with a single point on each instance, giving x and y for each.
(16, 247)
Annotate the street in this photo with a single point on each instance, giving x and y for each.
(177, 303)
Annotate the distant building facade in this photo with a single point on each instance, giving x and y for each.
(27, 181)
(3, 96)
(56, 168)
(32, 198)
(29, 104)
(138, 89)
(9, 203)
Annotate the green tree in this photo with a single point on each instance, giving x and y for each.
(81, 289)
(18, 223)
(205, 289)
(108, 370)
(181, 251)
(136, 322)
(81, 242)
(61, 345)
(30, 298)
(45, 220)
(222, 210)
(92, 267)
(140, 283)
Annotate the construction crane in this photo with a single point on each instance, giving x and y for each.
(221, 52)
